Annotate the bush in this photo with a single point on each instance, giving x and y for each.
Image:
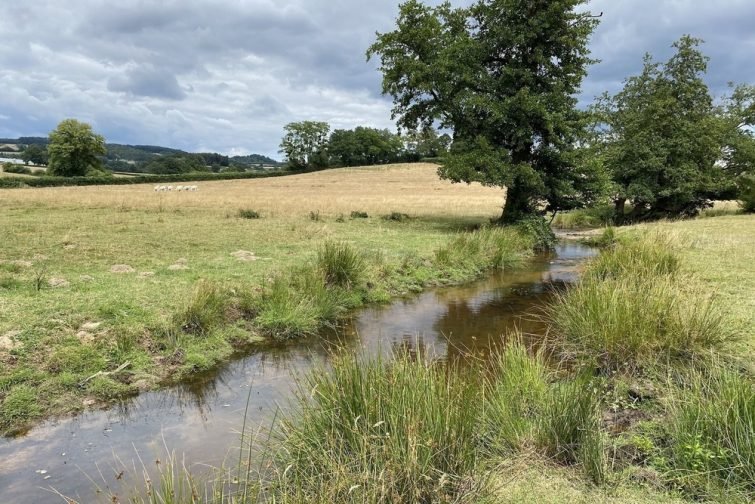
(340, 264)
(540, 231)
(712, 434)
(16, 168)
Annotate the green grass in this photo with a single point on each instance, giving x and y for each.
(376, 432)
(712, 434)
(586, 218)
(193, 299)
(634, 309)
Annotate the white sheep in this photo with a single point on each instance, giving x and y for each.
(157, 188)
(169, 188)
(179, 188)
(194, 188)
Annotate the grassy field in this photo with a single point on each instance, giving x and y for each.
(92, 278)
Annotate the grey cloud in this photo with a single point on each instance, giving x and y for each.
(148, 82)
(227, 75)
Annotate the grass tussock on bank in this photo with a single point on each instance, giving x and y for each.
(409, 431)
(634, 309)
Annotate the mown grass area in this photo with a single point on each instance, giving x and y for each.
(96, 278)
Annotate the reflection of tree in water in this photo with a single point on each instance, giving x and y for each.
(474, 327)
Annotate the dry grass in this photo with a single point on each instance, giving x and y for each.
(414, 189)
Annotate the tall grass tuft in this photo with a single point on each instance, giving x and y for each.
(569, 429)
(712, 433)
(516, 397)
(372, 432)
(298, 304)
(634, 308)
(649, 255)
(341, 265)
(488, 248)
(204, 310)
(559, 419)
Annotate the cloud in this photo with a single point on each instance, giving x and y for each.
(225, 75)
(147, 82)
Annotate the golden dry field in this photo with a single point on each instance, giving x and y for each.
(414, 189)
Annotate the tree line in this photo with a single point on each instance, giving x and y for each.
(309, 145)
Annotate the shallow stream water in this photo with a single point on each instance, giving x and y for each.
(200, 421)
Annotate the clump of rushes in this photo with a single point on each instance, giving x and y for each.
(341, 265)
(356, 214)
(374, 432)
(712, 434)
(248, 213)
(204, 310)
(470, 254)
(299, 303)
(634, 308)
(396, 217)
(560, 419)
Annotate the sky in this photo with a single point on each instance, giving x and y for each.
(227, 75)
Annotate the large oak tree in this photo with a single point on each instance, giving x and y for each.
(503, 76)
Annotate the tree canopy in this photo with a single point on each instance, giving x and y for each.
(365, 146)
(74, 149)
(669, 148)
(35, 154)
(304, 144)
(503, 76)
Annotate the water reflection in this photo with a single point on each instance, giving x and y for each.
(201, 418)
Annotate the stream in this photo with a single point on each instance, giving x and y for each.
(200, 420)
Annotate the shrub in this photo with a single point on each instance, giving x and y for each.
(16, 168)
(712, 434)
(373, 432)
(248, 213)
(539, 230)
(340, 264)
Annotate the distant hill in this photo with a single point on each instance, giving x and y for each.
(124, 157)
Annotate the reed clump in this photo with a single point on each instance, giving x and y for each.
(635, 308)
(378, 432)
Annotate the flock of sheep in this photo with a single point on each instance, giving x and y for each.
(163, 188)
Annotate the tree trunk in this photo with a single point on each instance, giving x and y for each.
(618, 215)
(517, 205)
